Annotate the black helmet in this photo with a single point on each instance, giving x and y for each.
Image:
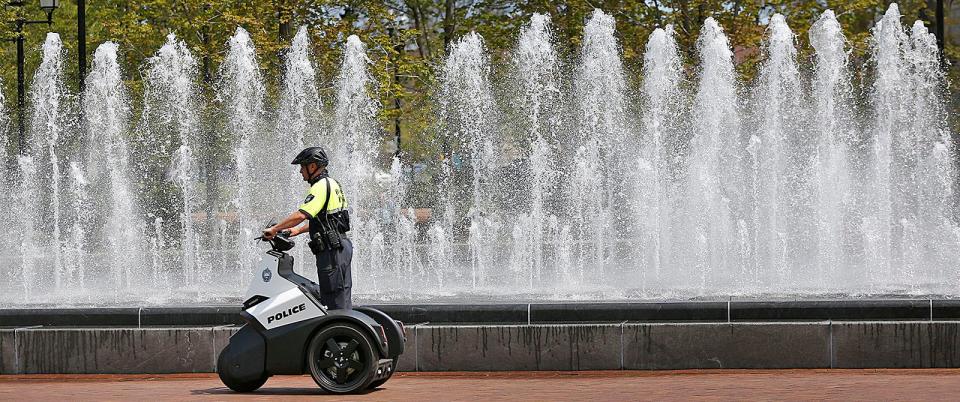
(311, 154)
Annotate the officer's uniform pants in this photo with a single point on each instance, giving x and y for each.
(334, 280)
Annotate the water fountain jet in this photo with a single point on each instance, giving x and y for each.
(556, 183)
(242, 92)
(106, 109)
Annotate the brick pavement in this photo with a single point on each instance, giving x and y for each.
(930, 384)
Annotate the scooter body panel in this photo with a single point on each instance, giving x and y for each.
(285, 303)
(244, 358)
(392, 329)
(289, 307)
(287, 344)
(282, 314)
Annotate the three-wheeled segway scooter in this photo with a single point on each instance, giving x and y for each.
(288, 331)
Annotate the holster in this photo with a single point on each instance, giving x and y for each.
(316, 246)
(327, 240)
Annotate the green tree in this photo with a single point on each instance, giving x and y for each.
(408, 39)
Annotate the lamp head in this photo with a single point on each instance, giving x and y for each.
(49, 5)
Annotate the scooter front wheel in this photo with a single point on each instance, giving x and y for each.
(342, 359)
(235, 384)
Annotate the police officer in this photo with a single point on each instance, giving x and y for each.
(325, 208)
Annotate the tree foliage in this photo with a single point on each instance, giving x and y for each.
(408, 38)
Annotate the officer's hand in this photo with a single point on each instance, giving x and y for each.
(269, 233)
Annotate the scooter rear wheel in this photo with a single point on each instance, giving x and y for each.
(342, 359)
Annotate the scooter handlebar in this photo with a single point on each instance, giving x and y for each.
(281, 242)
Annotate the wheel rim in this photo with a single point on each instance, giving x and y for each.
(339, 361)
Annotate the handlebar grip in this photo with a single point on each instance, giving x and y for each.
(284, 233)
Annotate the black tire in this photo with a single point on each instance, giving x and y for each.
(393, 368)
(342, 359)
(234, 384)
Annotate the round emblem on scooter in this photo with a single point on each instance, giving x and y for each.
(267, 275)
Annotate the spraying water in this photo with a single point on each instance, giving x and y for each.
(48, 101)
(242, 91)
(299, 118)
(107, 115)
(543, 186)
(662, 71)
(467, 112)
(714, 177)
(168, 136)
(355, 120)
(7, 193)
(887, 42)
(536, 67)
(4, 125)
(602, 147)
(832, 92)
(355, 127)
(28, 191)
(781, 162)
(75, 264)
(930, 236)
(298, 122)
(399, 224)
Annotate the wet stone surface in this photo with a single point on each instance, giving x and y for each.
(456, 313)
(830, 310)
(527, 347)
(631, 346)
(115, 350)
(896, 344)
(408, 360)
(8, 351)
(620, 312)
(221, 337)
(726, 345)
(191, 316)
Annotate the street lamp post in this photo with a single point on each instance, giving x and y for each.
(82, 42)
(47, 6)
(940, 30)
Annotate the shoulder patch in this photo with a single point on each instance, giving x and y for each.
(308, 199)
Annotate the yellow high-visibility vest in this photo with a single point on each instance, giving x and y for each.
(318, 194)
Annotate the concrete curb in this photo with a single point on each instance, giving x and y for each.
(521, 313)
(584, 346)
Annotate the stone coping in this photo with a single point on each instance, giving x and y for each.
(523, 313)
(580, 346)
